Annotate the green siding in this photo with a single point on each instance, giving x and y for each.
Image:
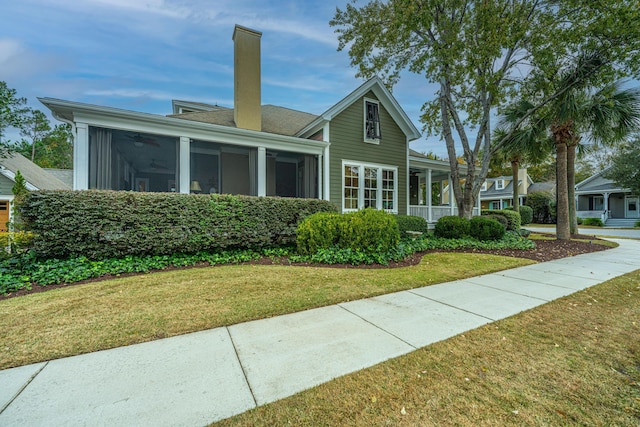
(5, 186)
(347, 143)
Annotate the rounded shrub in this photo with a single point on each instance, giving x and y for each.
(451, 227)
(320, 230)
(411, 223)
(483, 228)
(513, 217)
(369, 230)
(526, 215)
(500, 218)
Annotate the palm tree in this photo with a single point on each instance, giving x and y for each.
(579, 112)
(527, 144)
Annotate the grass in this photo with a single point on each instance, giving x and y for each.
(97, 316)
(572, 362)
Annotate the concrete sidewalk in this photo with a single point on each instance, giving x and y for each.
(195, 379)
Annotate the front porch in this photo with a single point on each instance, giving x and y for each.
(608, 206)
(429, 189)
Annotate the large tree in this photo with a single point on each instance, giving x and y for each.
(52, 150)
(624, 169)
(478, 54)
(12, 110)
(34, 127)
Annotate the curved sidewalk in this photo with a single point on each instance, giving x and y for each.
(199, 378)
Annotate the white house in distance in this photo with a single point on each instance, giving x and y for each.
(356, 154)
(600, 197)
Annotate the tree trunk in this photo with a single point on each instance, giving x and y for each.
(562, 211)
(33, 151)
(514, 179)
(571, 187)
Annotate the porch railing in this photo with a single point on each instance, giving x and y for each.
(603, 215)
(437, 212)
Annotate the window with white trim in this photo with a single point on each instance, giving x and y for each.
(372, 131)
(500, 184)
(369, 186)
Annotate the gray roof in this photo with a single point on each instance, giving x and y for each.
(277, 120)
(64, 175)
(32, 173)
(542, 186)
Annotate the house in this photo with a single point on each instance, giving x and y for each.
(497, 193)
(600, 197)
(36, 178)
(356, 154)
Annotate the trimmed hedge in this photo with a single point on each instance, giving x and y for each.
(411, 223)
(543, 204)
(366, 230)
(597, 222)
(452, 227)
(484, 228)
(113, 224)
(513, 217)
(526, 214)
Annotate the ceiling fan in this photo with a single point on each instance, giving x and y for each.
(140, 141)
(155, 165)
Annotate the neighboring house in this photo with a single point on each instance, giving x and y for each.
(355, 154)
(497, 193)
(600, 197)
(35, 178)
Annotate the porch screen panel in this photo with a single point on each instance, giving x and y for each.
(100, 159)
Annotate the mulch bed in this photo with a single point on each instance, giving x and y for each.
(545, 250)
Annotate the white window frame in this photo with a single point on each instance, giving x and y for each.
(364, 128)
(379, 188)
(500, 184)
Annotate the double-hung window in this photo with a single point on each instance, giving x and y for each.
(500, 184)
(372, 132)
(369, 186)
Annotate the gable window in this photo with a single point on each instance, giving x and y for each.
(369, 186)
(500, 184)
(484, 186)
(372, 121)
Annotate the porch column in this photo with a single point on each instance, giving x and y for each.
(320, 167)
(327, 177)
(81, 157)
(184, 167)
(605, 197)
(429, 198)
(479, 205)
(262, 171)
(452, 197)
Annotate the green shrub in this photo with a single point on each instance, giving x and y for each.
(524, 232)
(113, 224)
(543, 204)
(320, 230)
(637, 224)
(483, 228)
(579, 220)
(500, 218)
(451, 227)
(513, 218)
(597, 222)
(369, 230)
(366, 231)
(411, 223)
(526, 215)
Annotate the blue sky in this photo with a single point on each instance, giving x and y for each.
(140, 54)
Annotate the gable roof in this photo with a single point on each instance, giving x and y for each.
(376, 86)
(36, 178)
(275, 119)
(598, 182)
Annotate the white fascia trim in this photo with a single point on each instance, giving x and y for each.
(115, 118)
(375, 85)
(12, 176)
